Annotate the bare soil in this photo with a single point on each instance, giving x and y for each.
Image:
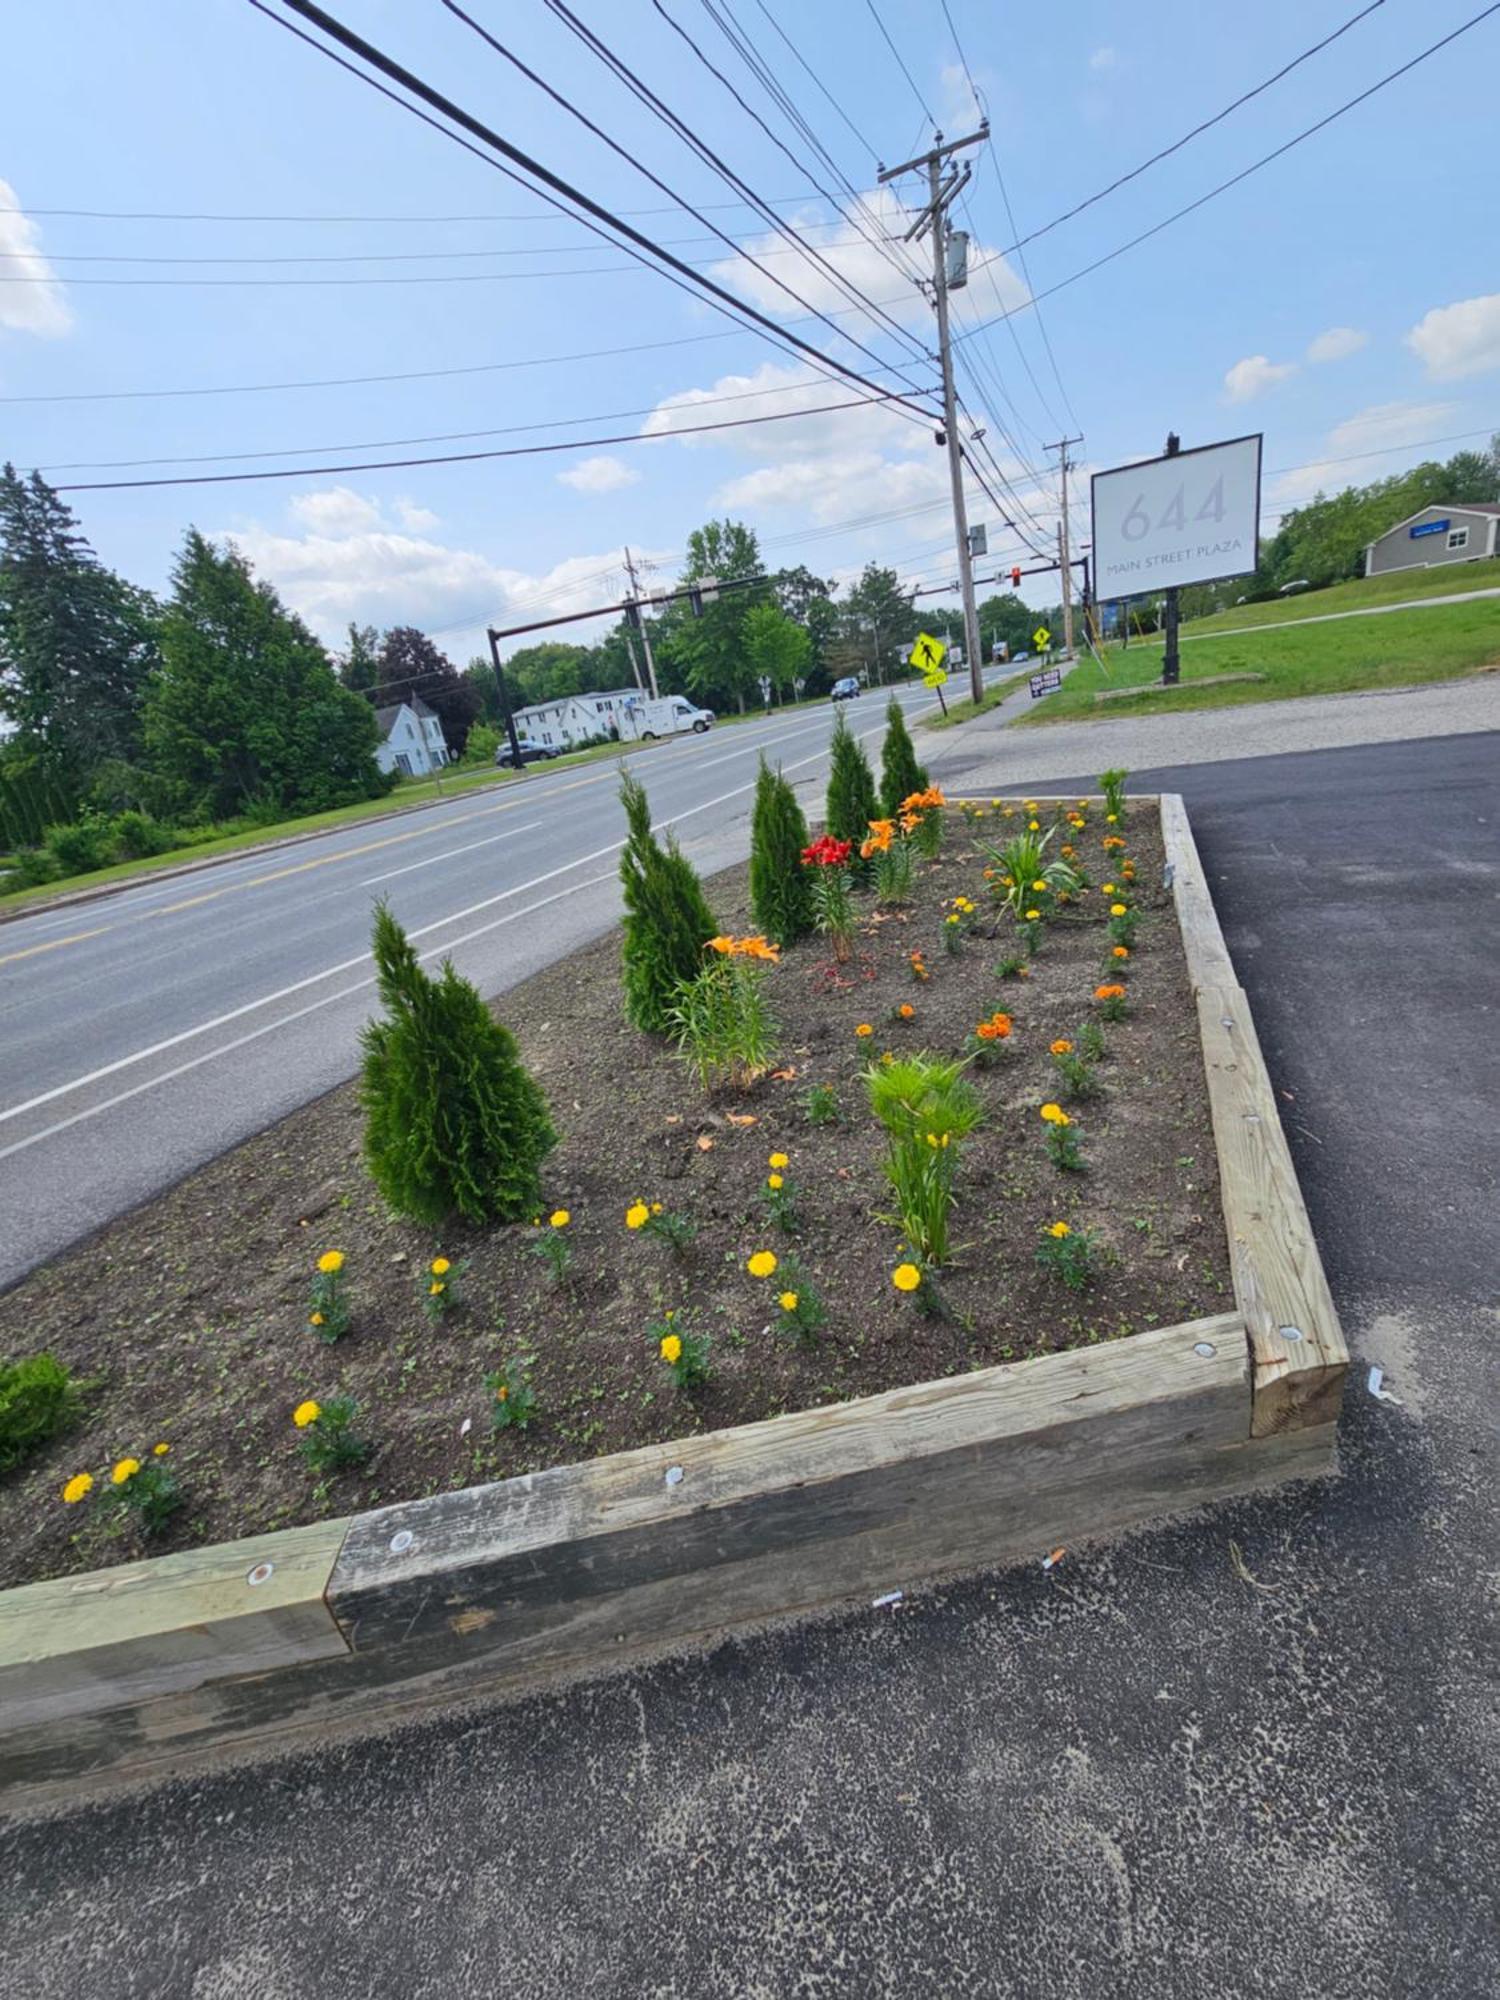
(188, 1318)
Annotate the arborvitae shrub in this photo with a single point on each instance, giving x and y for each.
(900, 773)
(454, 1122)
(780, 893)
(667, 918)
(37, 1399)
(852, 803)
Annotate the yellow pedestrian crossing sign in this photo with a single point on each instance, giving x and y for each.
(1041, 638)
(927, 654)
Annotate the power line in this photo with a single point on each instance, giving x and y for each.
(187, 215)
(554, 188)
(1235, 179)
(900, 63)
(468, 457)
(802, 63)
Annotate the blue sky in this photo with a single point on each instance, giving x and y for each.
(1343, 300)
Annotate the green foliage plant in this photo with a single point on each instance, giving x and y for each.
(38, 1399)
(780, 892)
(328, 1439)
(1020, 864)
(721, 1020)
(682, 1348)
(145, 1490)
(454, 1122)
(800, 1302)
(1112, 784)
(667, 918)
(328, 1306)
(668, 1225)
(1074, 1069)
(820, 1104)
(512, 1398)
(928, 1107)
(900, 773)
(1070, 1254)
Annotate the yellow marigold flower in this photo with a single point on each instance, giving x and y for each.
(864, 1028)
(559, 1218)
(671, 1347)
(1033, 826)
(1111, 818)
(656, 1208)
(788, 1302)
(1040, 888)
(637, 1215)
(1030, 805)
(315, 1319)
(1120, 951)
(777, 1160)
(306, 1413)
(774, 1181)
(331, 1261)
(502, 1394)
(1108, 889)
(160, 1450)
(953, 917)
(436, 1288)
(1062, 1047)
(80, 1484)
(906, 1277)
(761, 1264)
(1059, 1229)
(1055, 1115)
(125, 1469)
(439, 1267)
(906, 1010)
(1119, 909)
(1032, 916)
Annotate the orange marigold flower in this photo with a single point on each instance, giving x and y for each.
(1109, 992)
(864, 1028)
(1062, 1047)
(1120, 951)
(906, 1010)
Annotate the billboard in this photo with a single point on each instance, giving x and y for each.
(1191, 518)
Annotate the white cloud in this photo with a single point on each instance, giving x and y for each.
(31, 307)
(1337, 344)
(1390, 429)
(599, 475)
(335, 512)
(1254, 375)
(1459, 340)
(1103, 59)
(418, 519)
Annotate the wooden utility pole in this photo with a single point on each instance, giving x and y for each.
(1064, 553)
(635, 592)
(933, 219)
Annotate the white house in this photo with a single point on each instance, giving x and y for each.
(567, 721)
(412, 739)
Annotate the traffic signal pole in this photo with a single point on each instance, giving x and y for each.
(933, 220)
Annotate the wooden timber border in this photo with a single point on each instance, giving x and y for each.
(153, 1668)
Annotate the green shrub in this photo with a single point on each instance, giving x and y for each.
(483, 740)
(852, 803)
(667, 919)
(780, 893)
(454, 1123)
(138, 835)
(31, 867)
(38, 1398)
(87, 844)
(900, 773)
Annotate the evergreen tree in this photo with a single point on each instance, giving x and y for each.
(244, 709)
(667, 918)
(454, 1122)
(359, 664)
(76, 642)
(900, 773)
(852, 803)
(780, 891)
(412, 669)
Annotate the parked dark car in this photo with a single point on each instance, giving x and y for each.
(531, 753)
(846, 689)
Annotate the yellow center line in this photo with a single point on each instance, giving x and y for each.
(55, 944)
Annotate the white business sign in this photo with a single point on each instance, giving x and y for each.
(1192, 518)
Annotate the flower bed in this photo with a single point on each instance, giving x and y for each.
(191, 1320)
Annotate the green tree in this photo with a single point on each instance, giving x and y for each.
(1006, 618)
(480, 676)
(877, 617)
(900, 773)
(708, 655)
(244, 708)
(359, 663)
(412, 669)
(780, 892)
(667, 918)
(455, 1125)
(77, 643)
(779, 651)
(851, 803)
(809, 599)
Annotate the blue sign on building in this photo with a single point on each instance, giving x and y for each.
(1429, 528)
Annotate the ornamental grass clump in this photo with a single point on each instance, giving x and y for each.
(1074, 1069)
(1062, 1140)
(328, 1441)
(38, 1399)
(851, 802)
(1070, 1254)
(1112, 784)
(667, 918)
(328, 1307)
(721, 1020)
(683, 1349)
(826, 861)
(900, 773)
(928, 1108)
(454, 1122)
(512, 1398)
(780, 893)
(1026, 882)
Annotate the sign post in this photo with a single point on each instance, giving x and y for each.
(927, 654)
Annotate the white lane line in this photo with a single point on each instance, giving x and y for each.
(448, 853)
(346, 965)
(283, 1021)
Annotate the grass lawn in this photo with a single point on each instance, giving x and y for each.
(1400, 649)
(1450, 580)
(966, 710)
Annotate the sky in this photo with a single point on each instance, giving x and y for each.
(1344, 300)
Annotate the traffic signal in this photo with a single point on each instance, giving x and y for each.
(1015, 576)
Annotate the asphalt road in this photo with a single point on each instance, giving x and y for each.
(1146, 1774)
(142, 1034)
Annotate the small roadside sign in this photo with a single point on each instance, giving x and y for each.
(927, 653)
(1041, 638)
(1045, 683)
(936, 679)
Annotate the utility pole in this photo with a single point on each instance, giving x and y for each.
(1061, 448)
(934, 219)
(505, 707)
(635, 591)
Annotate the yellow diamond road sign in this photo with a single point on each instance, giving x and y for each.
(1041, 637)
(927, 654)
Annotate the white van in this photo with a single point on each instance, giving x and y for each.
(644, 720)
